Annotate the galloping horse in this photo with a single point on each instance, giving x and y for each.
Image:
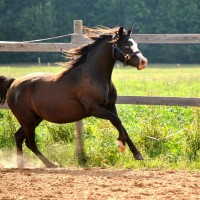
(84, 89)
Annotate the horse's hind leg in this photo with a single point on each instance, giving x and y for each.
(29, 130)
(31, 144)
(19, 138)
(29, 121)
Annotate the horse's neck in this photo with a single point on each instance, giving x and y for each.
(100, 61)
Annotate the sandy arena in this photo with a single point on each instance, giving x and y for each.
(97, 183)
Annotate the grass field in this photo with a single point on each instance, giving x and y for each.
(167, 136)
(156, 80)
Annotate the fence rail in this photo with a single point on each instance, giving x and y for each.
(77, 39)
(145, 100)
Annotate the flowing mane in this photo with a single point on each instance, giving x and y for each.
(79, 55)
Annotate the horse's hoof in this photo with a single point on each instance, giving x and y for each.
(121, 147)
(138, 157)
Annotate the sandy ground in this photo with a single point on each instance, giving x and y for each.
(96, 183)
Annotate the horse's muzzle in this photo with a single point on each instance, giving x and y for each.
(142, 64)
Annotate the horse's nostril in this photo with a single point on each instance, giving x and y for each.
(143, 62)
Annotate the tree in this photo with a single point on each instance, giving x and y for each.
(35, 19)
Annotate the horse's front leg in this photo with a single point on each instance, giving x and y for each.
(104, 113)
(137, 155)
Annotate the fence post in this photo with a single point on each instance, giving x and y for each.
(78, 26)
(79, 143)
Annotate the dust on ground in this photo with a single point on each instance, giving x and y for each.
(97, 183)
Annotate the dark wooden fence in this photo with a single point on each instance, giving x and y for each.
(77, 39)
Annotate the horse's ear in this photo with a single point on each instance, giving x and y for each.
(121, 31)
(129, 32)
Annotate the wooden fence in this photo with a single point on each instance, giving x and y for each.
(77, 39)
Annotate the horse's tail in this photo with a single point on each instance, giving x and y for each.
(5, 84)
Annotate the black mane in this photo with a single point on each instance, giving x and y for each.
(78, 55)
(83, 52)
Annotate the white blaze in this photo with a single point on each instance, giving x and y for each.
(134, 47)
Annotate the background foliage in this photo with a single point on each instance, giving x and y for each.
(34, 19)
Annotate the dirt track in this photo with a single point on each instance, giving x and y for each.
(45, 184)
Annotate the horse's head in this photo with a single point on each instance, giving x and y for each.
(125, 49)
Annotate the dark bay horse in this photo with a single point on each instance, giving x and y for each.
(85, 89)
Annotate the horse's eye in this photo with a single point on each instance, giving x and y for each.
(127, 47)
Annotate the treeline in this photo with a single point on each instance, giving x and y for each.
(35, 19)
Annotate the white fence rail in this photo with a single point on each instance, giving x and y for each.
(78, 39)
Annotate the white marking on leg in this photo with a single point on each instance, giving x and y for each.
(121, 146)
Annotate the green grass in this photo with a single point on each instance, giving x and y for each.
(163, 81)
(21, 70)
(156, 80)
(167, 136)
